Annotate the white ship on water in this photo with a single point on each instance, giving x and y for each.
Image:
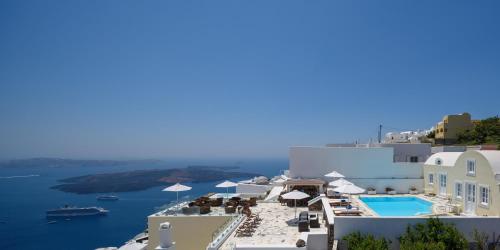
(70, 211)
(107, 197)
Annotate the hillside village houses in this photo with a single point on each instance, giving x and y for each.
(447, 130)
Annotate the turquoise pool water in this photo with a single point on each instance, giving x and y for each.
(398, 206)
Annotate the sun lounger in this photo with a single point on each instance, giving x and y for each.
(339, 202)
(347, 212)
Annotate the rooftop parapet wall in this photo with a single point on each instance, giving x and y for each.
(370, 162)
(189, 232)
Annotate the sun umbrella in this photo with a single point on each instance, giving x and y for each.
(339, 182)
(334, 174)
(177, 188)
(295, 195)
(349, 189)
(227, 185)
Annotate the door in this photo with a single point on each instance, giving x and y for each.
(470, 198)
(442, 184)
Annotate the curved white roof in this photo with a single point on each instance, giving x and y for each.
(447, 158)
(493, 156)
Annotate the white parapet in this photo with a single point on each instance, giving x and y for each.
(166, 237)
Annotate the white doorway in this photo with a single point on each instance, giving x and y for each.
(470, 198)
(442, 185)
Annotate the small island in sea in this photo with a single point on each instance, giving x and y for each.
(143, 179)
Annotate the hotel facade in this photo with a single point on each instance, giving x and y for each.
(470, 180)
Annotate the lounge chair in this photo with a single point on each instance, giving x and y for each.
(347, 212)
(339, 202)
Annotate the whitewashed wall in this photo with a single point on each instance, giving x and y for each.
(403, 151)
(252, 188)
(402, 186)
(392, 227)
(317, 241)
(374, 162)
(364, 166)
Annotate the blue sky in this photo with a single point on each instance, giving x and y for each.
(203, 79)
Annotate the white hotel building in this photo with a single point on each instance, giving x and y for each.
(399, 166)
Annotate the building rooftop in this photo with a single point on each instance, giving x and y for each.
(172, 211)
(445, 159)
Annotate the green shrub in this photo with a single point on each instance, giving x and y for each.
(485, 131)
(356, 241)
(433, 234)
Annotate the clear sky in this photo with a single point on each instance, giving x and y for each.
(160, 79)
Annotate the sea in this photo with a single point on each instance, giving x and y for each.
(25, 195)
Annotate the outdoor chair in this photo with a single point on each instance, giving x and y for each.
(313, 221)
(303, 221)
(205, 209)
(253, 201)
(230, 210)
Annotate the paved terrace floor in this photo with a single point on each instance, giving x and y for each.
(274, 228)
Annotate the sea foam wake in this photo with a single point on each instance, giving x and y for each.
(19, 176)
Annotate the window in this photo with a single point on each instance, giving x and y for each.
(471, 167)
(438, 161)
(431, 178)
(413, 158)
(458, 190)
(485, 195)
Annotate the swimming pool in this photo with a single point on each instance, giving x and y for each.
(398, 205)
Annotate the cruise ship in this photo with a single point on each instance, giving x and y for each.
(107, 198)
(69, 211)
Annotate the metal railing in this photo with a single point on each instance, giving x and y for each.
(223, 232)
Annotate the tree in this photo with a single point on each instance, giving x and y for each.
(433, 234)
(357, 241)
(485, 131)
(431, 134)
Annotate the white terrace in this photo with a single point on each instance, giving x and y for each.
(274, 229)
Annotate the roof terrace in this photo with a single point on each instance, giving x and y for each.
(275, 228)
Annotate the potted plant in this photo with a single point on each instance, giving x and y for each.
(390, 190)
(413, 190)
(371, 190)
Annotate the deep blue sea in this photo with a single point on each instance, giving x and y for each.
(24, 200)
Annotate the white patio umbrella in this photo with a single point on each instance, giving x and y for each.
(339, 182)
(349, 189)
(177, 188)
(295, 195)
(334, 174)
(227, 185)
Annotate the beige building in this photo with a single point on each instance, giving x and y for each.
(189, 231)
(469, 179)
(446, 131)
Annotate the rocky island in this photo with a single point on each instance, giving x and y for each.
(143, 179)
